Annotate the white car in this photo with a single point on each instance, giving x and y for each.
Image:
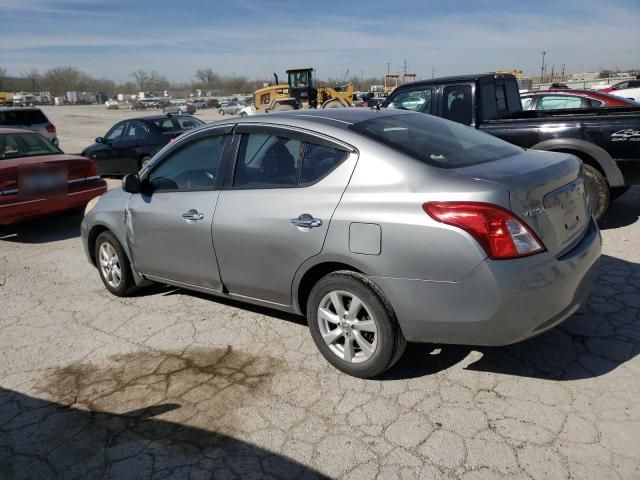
(112, 105)
(632, 93)
(248, 110)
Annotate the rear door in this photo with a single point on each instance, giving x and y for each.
(276, 211)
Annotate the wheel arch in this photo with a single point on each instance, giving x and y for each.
(589, 153)
(91, 240)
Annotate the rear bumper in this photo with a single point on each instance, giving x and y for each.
(15, 209)
(499, 302)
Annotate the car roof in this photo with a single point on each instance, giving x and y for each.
(14, 131)
(454, 79)
(338, 117)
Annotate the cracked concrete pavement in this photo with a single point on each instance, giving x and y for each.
(172, 384)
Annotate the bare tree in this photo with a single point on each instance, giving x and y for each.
(157, 81)
(32, 77)
(207, 77)
(142, 78)
(59, 80)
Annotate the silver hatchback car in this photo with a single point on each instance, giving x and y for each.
(381, 227)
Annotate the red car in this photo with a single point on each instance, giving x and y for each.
(622, 86)
(38, 179)
(572, 98)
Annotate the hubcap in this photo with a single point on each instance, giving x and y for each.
(347, 326)
(109, 264)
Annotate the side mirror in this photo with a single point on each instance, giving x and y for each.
(131, 183)
(99, 140)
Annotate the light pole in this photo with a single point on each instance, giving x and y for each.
(542, 67)
(388, 68)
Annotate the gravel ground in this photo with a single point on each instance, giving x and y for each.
(172, 384)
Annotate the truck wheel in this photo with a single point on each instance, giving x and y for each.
(617, 192)
(221, 112)
(282, 107)
(333, 104)
(598, 190)
(353, 325)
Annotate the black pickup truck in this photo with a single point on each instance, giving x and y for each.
(607, 140)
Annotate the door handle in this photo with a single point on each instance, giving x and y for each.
(193, 215)
(306, 221)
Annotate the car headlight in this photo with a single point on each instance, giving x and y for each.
(92, 203)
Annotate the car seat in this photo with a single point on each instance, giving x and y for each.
(278, 165)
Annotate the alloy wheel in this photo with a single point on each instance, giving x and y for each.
(110, 264)
(347, 326)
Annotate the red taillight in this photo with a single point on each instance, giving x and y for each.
(92, 171)
(500, 233)
(50, 128)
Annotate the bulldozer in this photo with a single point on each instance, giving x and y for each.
(300, 92)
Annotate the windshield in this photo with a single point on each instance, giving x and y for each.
(16, 145)
(299, 79)
(436, 141)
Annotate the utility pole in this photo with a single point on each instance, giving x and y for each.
(553, 66)
(542, 67)
(563, 72)
(362, 78)
(404, 67)
(433, 72)
(388, 68)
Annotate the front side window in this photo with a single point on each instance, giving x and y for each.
(436, 141)
(415, 100)
(25, 145)
(457, 104)
(115, 133)
(557, 102)
(526, 102)
(192, 167)
(621, 86)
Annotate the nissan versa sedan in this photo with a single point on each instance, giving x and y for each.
(381, 227)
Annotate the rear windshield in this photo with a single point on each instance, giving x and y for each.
(22, 117)
(25, 145)
(436, 141)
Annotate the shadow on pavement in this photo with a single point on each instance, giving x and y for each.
(622, 211)
(603, 335)
(43, 230)
(102, 421)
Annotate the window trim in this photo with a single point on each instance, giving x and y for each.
(295, 133)
(441, 100)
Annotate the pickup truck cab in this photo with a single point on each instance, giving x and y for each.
(606, 140)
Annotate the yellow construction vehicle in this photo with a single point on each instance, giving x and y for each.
(301, 91)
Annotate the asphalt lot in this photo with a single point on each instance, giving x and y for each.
(172, 384)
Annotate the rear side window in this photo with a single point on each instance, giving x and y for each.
(187, 123)
(22, 117)
(457, 104)
(557, 102)
(436, 141)
(318, 161)
(268, 161)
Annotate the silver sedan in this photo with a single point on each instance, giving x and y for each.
(381, 227)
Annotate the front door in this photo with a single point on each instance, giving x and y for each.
(103, 152)
(277, 211)
(169, 228)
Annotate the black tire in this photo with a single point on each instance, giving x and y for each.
(243, 114)
(221, 112)
(282, 107)
(143, 161)
(598, 190)
(390, 340)
(617, 192)
(126, 286)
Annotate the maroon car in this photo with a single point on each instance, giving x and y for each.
(38, 179)
(571, 98)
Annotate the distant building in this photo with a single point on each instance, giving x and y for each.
(585, 76)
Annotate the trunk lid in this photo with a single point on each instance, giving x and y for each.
(546, 191)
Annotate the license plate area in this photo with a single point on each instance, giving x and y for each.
(568, 209)
(43, 181)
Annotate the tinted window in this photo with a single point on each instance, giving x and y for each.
(457, 104)
(501, 99)
(513, 95)
(25, 145)
(595, 103)
(555, 102)
(318, 161)
(137, 130)
(115, 133)
(415, 100)
(187, 123)
(193, 167)
(435, 141)
(268, 161)
(489, 109)
(22, 117)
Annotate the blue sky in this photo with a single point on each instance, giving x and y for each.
(252, 38)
